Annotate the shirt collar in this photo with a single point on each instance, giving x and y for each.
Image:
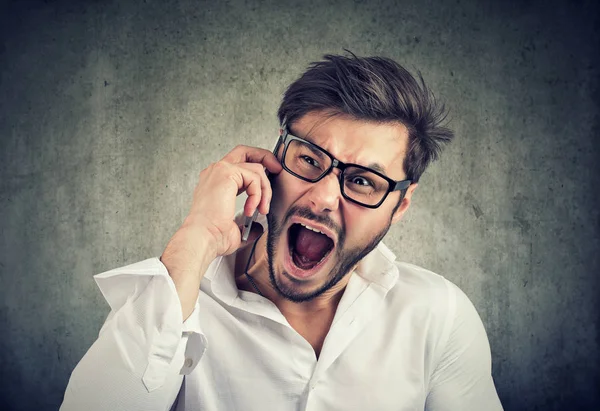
(379, 267)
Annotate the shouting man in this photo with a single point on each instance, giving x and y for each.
(312, 312)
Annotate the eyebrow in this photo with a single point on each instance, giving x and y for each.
(377, 167)
(373, 166)
(290, 131)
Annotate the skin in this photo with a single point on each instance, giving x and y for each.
(209, 230)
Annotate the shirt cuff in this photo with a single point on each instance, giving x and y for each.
(146, 317)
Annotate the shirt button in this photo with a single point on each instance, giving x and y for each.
(188, 362)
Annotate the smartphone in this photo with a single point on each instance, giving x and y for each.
(248, 221)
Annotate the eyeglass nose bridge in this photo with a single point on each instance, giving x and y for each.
(335, 163)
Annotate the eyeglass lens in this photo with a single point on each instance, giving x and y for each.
(309, 162)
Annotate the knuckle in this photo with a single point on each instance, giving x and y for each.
(220, 165)
(203, 172)
(260, 169)
(208, 168)
(256, 168)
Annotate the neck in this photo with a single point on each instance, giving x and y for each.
(258, 270)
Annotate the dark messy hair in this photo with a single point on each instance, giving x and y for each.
(373, 89)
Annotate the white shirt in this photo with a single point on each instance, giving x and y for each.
(403, 338)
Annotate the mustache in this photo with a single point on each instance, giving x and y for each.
(305, 212)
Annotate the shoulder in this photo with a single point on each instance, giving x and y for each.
(417, 294)
(434, 291)
(425, 288)
(443, 321)
(434, 294)
(438, 305)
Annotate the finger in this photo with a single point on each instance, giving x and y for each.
(265, 185)
(250, 182)
(246, 154)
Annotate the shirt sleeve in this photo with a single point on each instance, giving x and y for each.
(144, 348)
(462, 379)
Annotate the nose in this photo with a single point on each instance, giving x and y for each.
(325, 194)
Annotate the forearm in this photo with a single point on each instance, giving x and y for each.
(187, 257)
(104, 381)
(136, 362)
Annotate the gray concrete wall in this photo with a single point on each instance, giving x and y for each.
(109, 110)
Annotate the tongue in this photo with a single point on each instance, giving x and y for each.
(311, 246)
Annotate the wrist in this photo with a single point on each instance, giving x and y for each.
(189, 252)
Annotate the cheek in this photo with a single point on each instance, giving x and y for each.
(282, 187)
(287, 189)
(362, 227)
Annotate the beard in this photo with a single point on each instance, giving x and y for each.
(345, 259)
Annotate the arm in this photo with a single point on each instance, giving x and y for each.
(462, 379)
(142, 353)
(209, 229)
(137, 361)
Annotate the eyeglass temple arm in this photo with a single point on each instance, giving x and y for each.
(401, 185)
(278, 145)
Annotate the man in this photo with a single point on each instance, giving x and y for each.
(315, 314)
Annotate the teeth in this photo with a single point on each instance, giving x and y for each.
(312, 229)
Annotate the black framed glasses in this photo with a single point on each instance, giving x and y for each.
(359, 184)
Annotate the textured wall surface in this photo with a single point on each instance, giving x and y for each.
(110, 109)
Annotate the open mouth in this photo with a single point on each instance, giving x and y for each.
(308, 246)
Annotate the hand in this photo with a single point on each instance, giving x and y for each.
(209, 230)
(213, 207)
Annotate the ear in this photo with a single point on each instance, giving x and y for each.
(404, 204)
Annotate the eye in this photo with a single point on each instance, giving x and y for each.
(361, 181)
(309, 160)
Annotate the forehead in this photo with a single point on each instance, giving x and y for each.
(371, 144)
